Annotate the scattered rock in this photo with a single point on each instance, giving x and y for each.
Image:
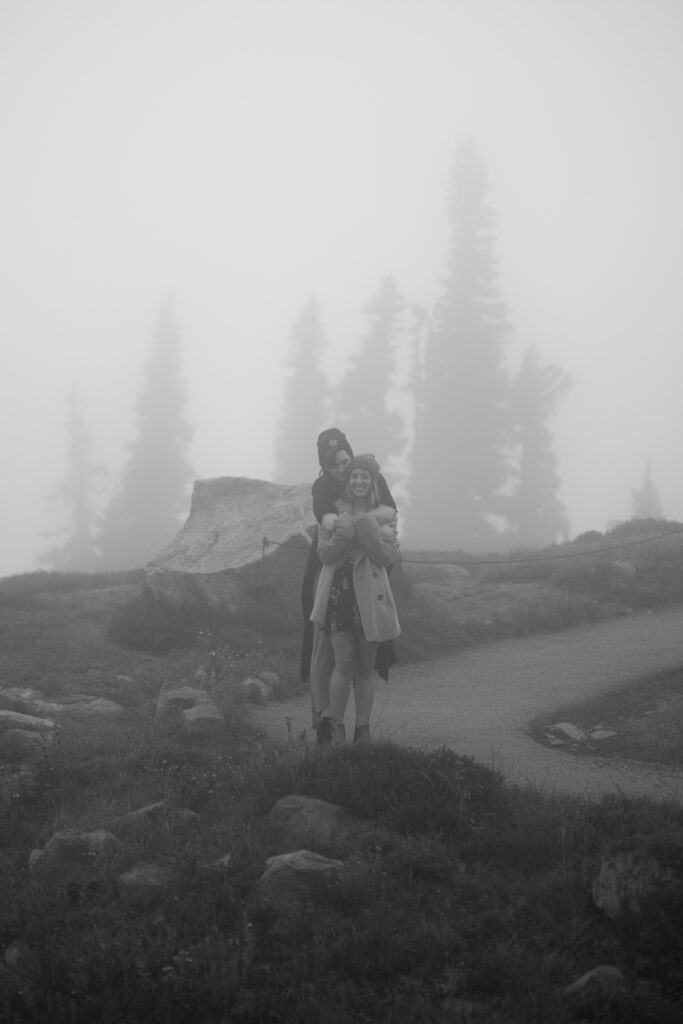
(292, 880)
(145, 883)
(601, 734)
(203, 720)
(94, 706)
(75, 703)
(307, 820)
(179, 698)
(255, 689)
(571, 731)
(271, 678)
(604, 981)
(16, 720)
(70, 858)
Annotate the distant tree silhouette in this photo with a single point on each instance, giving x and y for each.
(361, 398)
(461, 416)
(77, 551)
(144, 514)
(304, 403)
(534, 511)
(646, 503)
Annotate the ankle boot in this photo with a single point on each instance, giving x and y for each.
(338, 733)
(324, 731)
(362, 734)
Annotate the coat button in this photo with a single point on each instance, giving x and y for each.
(380, 597)
(375, 574)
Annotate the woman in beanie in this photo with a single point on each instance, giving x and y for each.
(317, 660)
(354, 603)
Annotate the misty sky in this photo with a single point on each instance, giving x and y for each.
(246, 154)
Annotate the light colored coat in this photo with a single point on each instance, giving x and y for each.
(371, 554)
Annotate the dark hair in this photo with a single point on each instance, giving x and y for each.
(330, 457)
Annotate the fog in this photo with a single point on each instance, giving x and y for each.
(244, 155)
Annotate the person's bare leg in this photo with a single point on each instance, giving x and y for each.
(322, 663)
(365, 684)
(342, 674)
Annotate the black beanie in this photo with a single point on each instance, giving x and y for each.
(332, 440)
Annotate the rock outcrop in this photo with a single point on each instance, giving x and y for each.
(234, 522)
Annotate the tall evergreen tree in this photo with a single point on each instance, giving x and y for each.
(461, 420)
(646, 503)
(75, 496)
(534, 511)
(361, 398)
(304, 404)
(144, 514)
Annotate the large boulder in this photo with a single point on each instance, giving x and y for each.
(234, 522)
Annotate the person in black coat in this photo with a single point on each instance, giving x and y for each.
(317, 660)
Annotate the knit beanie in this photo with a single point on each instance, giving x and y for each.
(367, 462)
(332, 440)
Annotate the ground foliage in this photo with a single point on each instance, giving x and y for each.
(469, 900)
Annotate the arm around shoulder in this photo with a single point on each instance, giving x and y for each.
(369, 534)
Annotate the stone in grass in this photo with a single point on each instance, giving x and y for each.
(70, 858)
(601, 734)
(178, 698)
(572, 732)
(203, 720)
(292, 881)
(308, 820)
(145, 883)
(255, 689)
(16, 720)
(601, 981)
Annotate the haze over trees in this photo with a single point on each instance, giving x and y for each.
(74, 500)
(144, 513)
(482, 468)
(305, 399)
(361, 399)
(534, 512)
(645, 499)
(461, 421)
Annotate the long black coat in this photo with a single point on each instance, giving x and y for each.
(325, 492)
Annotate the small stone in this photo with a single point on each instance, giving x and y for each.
(601, 734)
(569, 730)
(603, 980)
(203, 720)
(145, 883)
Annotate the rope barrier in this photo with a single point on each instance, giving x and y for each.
(521, 561)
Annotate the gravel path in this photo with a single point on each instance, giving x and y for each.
(479, 702)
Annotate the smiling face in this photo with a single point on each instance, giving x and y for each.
(360, 483)
(337, 468)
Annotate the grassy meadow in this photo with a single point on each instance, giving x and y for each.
(468, 900)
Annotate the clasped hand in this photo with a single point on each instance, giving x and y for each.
(343, 527)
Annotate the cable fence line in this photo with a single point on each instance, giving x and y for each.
(522, 561)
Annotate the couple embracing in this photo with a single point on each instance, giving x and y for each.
(349, 608)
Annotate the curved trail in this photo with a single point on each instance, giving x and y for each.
(479, 702)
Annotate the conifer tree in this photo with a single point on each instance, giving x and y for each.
(361, 398)
(534, 511)
(75, 496)
(646, 503)
(144, 514)
(304, 403)
(459, 464)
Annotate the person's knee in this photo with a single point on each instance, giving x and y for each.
(345, 667)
